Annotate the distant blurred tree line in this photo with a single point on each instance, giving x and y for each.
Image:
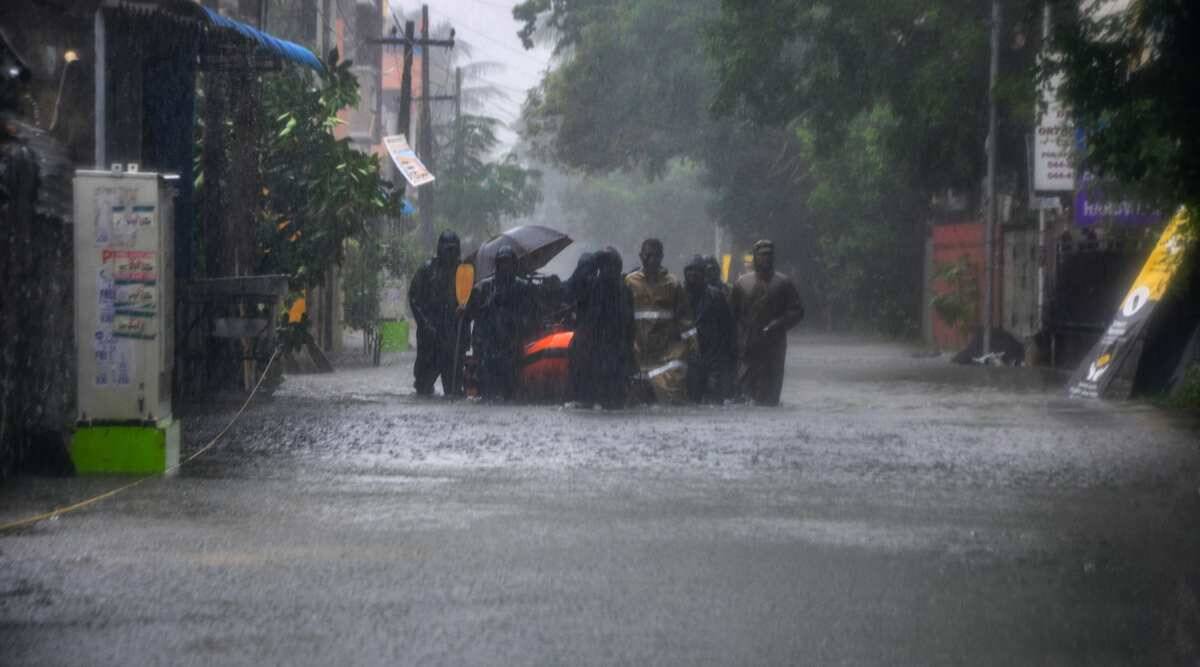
(830, 126)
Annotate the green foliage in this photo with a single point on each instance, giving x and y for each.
(1131, 83)
(318, 191)
(957, 304)
(1187, 396)
(632, 94)
(478, 193)
(361, 283)
(828, 126)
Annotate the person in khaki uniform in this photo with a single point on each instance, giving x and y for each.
(662, 323)
(765, 304)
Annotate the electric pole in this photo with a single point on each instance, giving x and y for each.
(458, 129)
(990, 187)
(425, 195)
(425, 150)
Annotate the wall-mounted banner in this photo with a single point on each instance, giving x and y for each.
(406, 160)
(1114, 349)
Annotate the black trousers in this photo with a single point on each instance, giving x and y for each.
(709, 380)
(498, 378)
(435, 357)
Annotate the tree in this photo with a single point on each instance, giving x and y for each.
(632, 90)
(479, 193)
(1130, 83)
(828, 126)
(887, 103)
(318, 191)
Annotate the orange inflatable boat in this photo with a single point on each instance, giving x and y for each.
(544, 375)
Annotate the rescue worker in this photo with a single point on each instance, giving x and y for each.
(434, 307)
(765, 305)
(711, 366)
(502, 309)
(663, 331)
(602, 356)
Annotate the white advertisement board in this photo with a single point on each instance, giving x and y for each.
(406, 160)
(1053, 144)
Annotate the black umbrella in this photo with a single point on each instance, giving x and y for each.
(534, 246)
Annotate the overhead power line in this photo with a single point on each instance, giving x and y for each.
(508, 47)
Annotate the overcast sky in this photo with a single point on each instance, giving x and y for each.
(489, 28)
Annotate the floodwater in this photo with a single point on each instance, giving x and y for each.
(895, 510)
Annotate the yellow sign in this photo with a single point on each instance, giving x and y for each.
(1096, 375)
(464, 280)
(1160, 267)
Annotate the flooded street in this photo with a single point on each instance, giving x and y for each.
(894, 510)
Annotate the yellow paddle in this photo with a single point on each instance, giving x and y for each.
(464, 280)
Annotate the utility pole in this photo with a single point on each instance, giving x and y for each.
(425, 150)
(990, 187)
(458, 129)
(425, 195)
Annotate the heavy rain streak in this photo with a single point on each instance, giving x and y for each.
(572, 332)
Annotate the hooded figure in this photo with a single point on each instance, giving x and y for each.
(503, 311)
(663, 331)
(602, 347)
(433, 304)
(765, 305)
(711, 365)
(712, 273)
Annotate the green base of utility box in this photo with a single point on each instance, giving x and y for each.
(394, 335)
(124, 449)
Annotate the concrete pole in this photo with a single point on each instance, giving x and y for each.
(990, 194)
(425, 147)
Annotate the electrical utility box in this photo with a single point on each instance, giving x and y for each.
(124, 321)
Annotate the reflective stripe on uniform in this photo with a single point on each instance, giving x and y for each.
(689, 333)
(647, 314)
(670, 365)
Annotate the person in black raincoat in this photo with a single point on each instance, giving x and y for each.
(765, 304)
(602, 357)
(575, 293)
(712, 273)
(502, 309)
(711, 366)
(432, 302)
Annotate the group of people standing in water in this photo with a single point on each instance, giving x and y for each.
(642, 336)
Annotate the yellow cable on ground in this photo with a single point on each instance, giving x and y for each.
(28, 521)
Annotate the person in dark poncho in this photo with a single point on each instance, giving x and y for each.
(575, 293)
(712, 273)
(432, 302)
(711, 366)
(602, 349)
(503, 311)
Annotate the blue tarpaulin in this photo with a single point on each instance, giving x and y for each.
(280, 47)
